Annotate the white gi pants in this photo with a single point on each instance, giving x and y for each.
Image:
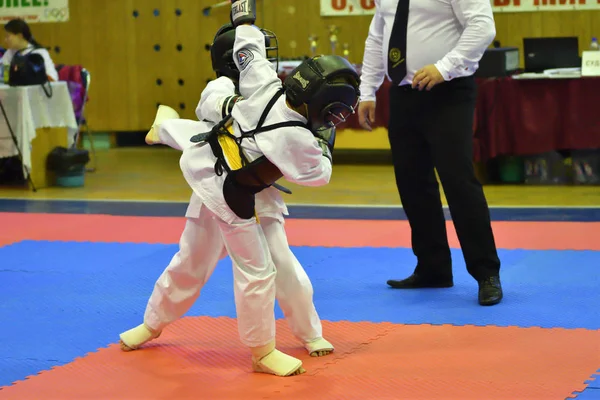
(264, 268)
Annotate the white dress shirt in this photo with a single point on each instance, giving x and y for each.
(451, 34)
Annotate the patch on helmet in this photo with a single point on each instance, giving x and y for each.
(300, 79)
(244, 57)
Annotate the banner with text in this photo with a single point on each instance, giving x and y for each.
(336, 8)
(33, 11)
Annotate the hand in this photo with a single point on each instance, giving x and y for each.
(366, 114)
(326, 139)
(327, 135)
(325, 149)
(243, 12)
(228, 103)
(427, 77)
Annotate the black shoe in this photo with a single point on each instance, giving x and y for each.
(490, 291)
(416, 282)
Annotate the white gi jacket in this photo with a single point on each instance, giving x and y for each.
(294, 150)
(269, 202)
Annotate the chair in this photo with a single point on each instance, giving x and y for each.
(79, 76)
(82, 122)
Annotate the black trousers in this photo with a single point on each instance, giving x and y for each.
(434, 129)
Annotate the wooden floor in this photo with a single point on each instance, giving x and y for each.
(152, 174)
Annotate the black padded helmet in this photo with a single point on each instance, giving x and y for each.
(221, 51)
(328, 85)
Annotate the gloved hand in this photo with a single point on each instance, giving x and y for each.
(325, 148)
(228, 104)
(243, 12)
(326, 137)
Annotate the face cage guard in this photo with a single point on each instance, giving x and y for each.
(339, 118)
(273, 47)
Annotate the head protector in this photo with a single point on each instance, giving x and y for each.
(221, 51)
(328, 85)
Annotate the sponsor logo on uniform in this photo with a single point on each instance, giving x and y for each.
(244, 58)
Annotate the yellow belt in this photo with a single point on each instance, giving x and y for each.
(231, 150)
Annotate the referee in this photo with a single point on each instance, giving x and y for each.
(430, 49)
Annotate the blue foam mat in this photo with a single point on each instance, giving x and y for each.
(61, 300)
(589, 394)
(594, 381)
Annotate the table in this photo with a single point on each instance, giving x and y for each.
(527, 117)
(513, 117)
(39, 124)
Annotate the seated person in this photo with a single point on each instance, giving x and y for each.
(19, 39)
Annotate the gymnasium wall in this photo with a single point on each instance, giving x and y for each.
(139, 61)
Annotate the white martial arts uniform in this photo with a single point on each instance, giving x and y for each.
(294, 150)
(201, 244)
(176, 133)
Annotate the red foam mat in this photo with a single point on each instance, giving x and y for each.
(202, 358)
(302, 232)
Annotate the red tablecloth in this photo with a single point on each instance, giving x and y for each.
(522, 117)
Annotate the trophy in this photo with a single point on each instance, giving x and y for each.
(346, 51)
(333, 39)
(314, 44)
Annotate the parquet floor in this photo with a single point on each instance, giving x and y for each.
(153, 174)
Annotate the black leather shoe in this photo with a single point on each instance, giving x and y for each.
(416, 282)
(490, 291)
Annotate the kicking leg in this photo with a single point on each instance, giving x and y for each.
(178, 287)
(163, 114)
(294, 290)
(254, 287)
(170, 130)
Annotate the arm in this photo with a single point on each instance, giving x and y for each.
(477, 18)
(294, 150)
(249, 54)
(297, 155)
(48, 64)
(373, 69)
(216, 100)
(8, 56)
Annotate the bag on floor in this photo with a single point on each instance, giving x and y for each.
(64, 161)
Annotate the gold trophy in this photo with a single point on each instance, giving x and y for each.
(333, 39)
(314, 44)
(346, 51)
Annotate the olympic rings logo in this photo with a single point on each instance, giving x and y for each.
(56, 14)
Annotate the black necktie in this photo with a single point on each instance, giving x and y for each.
(397, 48)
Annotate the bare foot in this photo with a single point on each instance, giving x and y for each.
(134, 338)
(320, 353)
(319, 348)
(152, 136)
(268, 360)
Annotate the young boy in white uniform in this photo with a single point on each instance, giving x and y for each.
(178, 287)
(242, 156)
